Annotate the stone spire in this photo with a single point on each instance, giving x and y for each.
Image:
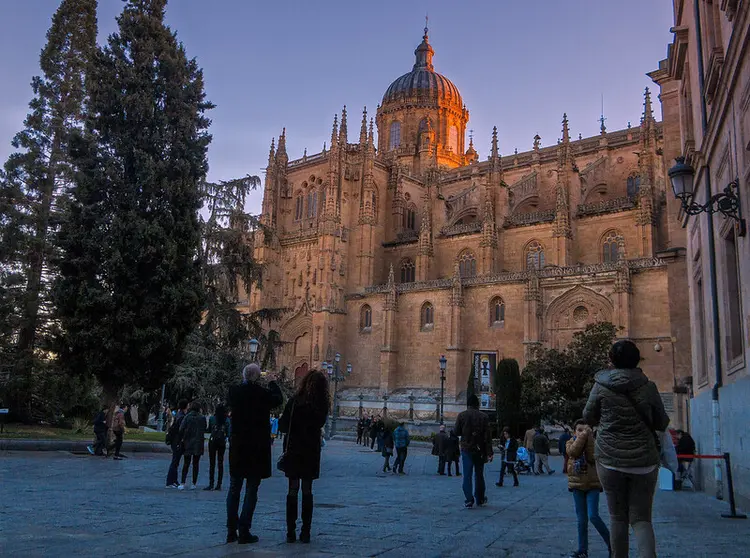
(343, 132)
(335, 131)
(537, 142)
(565, 129)
(391, 297)
(281, 157)
(489, 233)
(363, 129)
(457, 290)
(494, 153)
(425, 228)
(424, 54)
(371, 136)
(648, 113)
(272, 155)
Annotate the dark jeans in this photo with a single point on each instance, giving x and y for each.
(532, 461)
(587, 509)
(458, 470)
(511, 468)
(372, 442)
(441, 464)
(100, 442)
(175, 463)
(216, 453)
(387, 462)
(186, 465)
(630, 499)
(245, 520)
(398, 465)
(473, 464)
(118, 441)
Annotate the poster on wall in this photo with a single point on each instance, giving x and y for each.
(482, 367)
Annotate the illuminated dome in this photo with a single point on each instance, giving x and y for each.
(423, 81)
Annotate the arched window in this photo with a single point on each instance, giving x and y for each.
(427, 316)
(365, 318)
(534, 255)
(497, 312)
(410, 218)
(395, 137)
(407, 271)
(312, 204)
(453, 139)
(634, 185)
(322, 200)
(299, 207)
(611, 246)
(467, 264)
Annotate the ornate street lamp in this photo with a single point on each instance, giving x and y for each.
(682, 177)
(443, 364)
(253, 346)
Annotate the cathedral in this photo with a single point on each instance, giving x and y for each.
(396, 249)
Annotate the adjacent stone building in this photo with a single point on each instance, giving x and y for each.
(395, 250)
(705, 95)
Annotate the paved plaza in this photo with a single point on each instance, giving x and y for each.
(60, 504)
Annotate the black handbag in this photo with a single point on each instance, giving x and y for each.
(281, 463)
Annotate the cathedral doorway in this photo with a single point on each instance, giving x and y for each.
(300, 372)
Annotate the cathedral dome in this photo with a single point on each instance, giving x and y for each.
(423, 81)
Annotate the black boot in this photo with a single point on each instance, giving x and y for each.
(307, 512)
(291, 518)
(210, 486)
(231, 536)
(246, 537)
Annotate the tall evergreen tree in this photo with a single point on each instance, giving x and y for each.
(129, 289)
(34, 179)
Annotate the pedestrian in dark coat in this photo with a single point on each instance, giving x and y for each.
(173, 441)
(218, 428)
(541, 448)
(387, 449)
(100, 431)
(439, 447)
(453, 453)
(192, 440)
(249, 448)
(304, 415)
(510, 457)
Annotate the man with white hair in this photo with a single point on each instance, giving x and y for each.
(249, 448)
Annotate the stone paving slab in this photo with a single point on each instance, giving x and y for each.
(60, 504)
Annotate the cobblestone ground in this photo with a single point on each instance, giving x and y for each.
(58, 504)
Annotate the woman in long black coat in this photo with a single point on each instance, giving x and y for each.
(304, 416)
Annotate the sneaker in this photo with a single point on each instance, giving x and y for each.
(172, 486)
(209, 487)
(121, 456)
(483, 502)
(117, 458)
(247, 538)
(578, 554)
(498, 484)
(468, 505)
(90, 449)
(193, 487)
(551, 472)
(180, 487)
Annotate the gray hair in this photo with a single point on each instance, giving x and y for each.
(251, 373)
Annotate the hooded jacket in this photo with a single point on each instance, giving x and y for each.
(623, 439)
(589, 479)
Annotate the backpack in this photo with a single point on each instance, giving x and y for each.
(476, 444)
(218, 433)
(173, 431)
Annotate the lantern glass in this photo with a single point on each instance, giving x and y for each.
(338, 357)
(349, 368)
(443, 363)
(253, 346)
(681, 176)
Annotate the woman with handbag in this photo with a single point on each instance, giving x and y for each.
(629, 412)
(304, 415)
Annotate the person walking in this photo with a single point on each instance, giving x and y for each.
(510, 457)
(401, 443)
(218, 426)
(360, 430)
(439, 447)
(100, 433)
(453, 453)
(387, 449)
(628, 411)
(192, 440)
(476, 449)
(528, 443)
(375, 426)
(173, 441)
(685, 446)
(118, 430)
(541, 449)
(583, 482)
(249, 448)
(304, 416)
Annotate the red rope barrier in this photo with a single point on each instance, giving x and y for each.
(700, 456)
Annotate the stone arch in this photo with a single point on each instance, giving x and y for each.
(296, 333)
(598, 193)
(572, 312)
(467, 215)
(528, 204)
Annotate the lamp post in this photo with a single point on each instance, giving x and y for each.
(335, 369)
(443, 365)
(160, 418)
(253, 345)
(682, 176)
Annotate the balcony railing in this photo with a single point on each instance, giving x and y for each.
(463, 228)
(533, 218)
(608, 206)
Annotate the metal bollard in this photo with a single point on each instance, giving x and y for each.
(730, 486)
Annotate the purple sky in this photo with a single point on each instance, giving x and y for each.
(295, 63)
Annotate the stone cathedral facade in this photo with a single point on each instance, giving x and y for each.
(395, 250)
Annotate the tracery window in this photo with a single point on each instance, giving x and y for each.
(467, 264)
(453, 139)
(534, 255)
(410, 218)
(312, 204)
(497, 312)
(408, 271)
(299, 207)
(634, 185)
(395, 136)
(611, 246)
(365, 318)
(427, 316)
